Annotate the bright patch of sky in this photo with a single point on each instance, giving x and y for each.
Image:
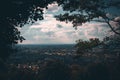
(51, 31)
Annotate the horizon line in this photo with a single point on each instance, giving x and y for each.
(48, 44)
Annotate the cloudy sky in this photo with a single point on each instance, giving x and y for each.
(50, 31)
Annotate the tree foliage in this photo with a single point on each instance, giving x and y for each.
(83, 46)
(82, 11)
(112, 43)
(16, 13)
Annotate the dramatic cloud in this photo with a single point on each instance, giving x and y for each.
(50, 31)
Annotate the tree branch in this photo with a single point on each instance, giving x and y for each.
(107, 21)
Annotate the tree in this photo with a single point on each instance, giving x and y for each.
(82, 11)
(14, 14)
(83, 46)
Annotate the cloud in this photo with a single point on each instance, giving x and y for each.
(70, 32)
(59, 26)
(35, 27)
(50, 31)
(50, 34)
(81, 33)
(53, 7)
(117, 19)
(97, 29)
(36, 23)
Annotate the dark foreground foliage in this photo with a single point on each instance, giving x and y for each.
(58, 70)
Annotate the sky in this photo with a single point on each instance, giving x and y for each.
(51, 31)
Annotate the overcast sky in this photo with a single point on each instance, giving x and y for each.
(50, 31)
